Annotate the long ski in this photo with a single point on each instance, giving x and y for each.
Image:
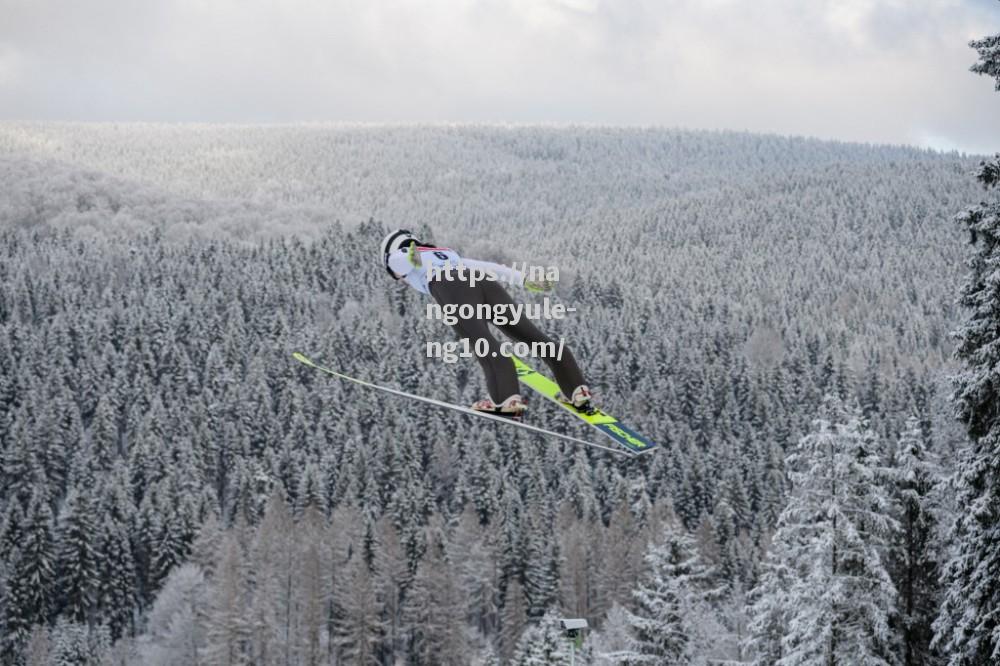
(302, 358)
(605, 423)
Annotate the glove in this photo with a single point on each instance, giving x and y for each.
(411, 254)
(539, 287)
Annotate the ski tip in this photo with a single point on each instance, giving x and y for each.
(626, 437)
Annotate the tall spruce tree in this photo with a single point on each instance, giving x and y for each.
(914, 561)
(360, 627)
(768, 606)
(968, 627)
(30, 585)
(78, 552)
(669, 600)
(825, 595)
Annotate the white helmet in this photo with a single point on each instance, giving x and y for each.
(394, 241)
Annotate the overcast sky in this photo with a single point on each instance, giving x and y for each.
(866, 70)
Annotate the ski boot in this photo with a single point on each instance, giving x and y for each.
(511, 408)
(580, 400)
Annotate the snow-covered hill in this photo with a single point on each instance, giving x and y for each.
(167, 470)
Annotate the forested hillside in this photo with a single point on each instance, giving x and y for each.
(176, 489)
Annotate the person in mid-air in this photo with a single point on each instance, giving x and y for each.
(424, 267)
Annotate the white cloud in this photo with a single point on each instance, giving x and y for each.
(9, 66)
(869, 70)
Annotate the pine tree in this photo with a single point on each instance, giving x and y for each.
(170, 547)
(513, 619)
(78, 551)
(826, 576)
(968, 627)
(206, 546)
(914, 562)
(541, 573)
(272, 563)
(117, 589)
(8, 381)
(22, 472)
(361, 628)
(144, 530)
(29, 594)
(577, 571)
(727, 563)
(477, 569)
(310, 490)
(542, 644)
(175, 633)
(312, 562)
(622, 548)
(434, 611)
(104, 437)
(769, 608)
(56, 432)
(76, 644)
(227, 629)
(669, 599)
(612, 644)
(580, 486)
(393, 578)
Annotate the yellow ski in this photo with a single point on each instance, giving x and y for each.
(305, 360)
(605, 423)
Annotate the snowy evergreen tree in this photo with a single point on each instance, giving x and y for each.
(117, 588)
(826, 579)
(76, 644)
(914, 561)
(472, 553)
(272, 561)
(30, 586)
(361, 627)
(968, 628)
(540, 566)
(227, 627)
(623, 550)
(174, 634)
(769, 608)
(669, 600)
(542, 644)
(393, 580)
(434, 611)
(513, 619)
(578, 562)
(313, 562)
(78, 551)
(613, 644)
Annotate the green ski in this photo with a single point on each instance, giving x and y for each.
(605, 423)
(305, 360)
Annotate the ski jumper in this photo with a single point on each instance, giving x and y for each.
(501, 376)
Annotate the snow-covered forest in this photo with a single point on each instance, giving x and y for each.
(775, 312)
